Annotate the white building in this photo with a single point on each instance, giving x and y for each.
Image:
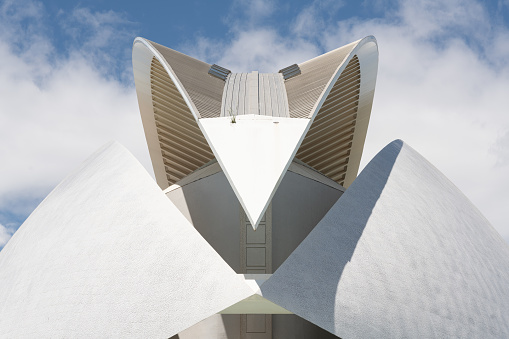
(258, 226)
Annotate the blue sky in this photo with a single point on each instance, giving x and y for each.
(66, 83)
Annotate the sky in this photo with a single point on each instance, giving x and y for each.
(66, 84)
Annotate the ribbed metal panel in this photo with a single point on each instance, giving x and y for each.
(304, 90)
(328, 143)
(270, 97)
(183, 147)
(204, 89)
(235, 100)
(273, 99)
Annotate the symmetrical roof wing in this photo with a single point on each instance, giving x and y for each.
(342, 100)
(328, 98)
(177, 146)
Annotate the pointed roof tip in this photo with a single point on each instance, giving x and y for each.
(113, 142)
(111, 147)
(114, 146)
(369, 38)
(257, 223)
(254, 166)
(397, 143)
(254, 216)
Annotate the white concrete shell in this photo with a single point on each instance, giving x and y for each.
(402, 254)
(108, 255)
(328, 106)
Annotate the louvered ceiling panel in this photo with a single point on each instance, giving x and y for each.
(328, 143)
(183, 147)
(305, 89)
(205, 91)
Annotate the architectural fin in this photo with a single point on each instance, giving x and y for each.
(254, 152)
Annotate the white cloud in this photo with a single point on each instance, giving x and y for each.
(312, 21)
(101, 37)
(423, 19)
(501, 150)
(444, 92)
(56, 110)
(260, 49)
(250, 12)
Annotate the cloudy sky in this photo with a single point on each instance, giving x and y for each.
(66, 85)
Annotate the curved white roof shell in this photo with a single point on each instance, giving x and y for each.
(402, 254)
(108, 255)
(317, 112)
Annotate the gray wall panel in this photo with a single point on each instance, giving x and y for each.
(212, 207)
(297, 207)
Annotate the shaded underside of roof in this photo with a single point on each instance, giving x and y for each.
(204, 90)
(183, 146)
(305, 89)
(328, 143)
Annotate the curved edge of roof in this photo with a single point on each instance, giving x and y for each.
(355, 51)
(367, 53)
(155, 53)
(143, 52)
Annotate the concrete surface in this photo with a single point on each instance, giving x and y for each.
(108, 255)
(402, 254)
